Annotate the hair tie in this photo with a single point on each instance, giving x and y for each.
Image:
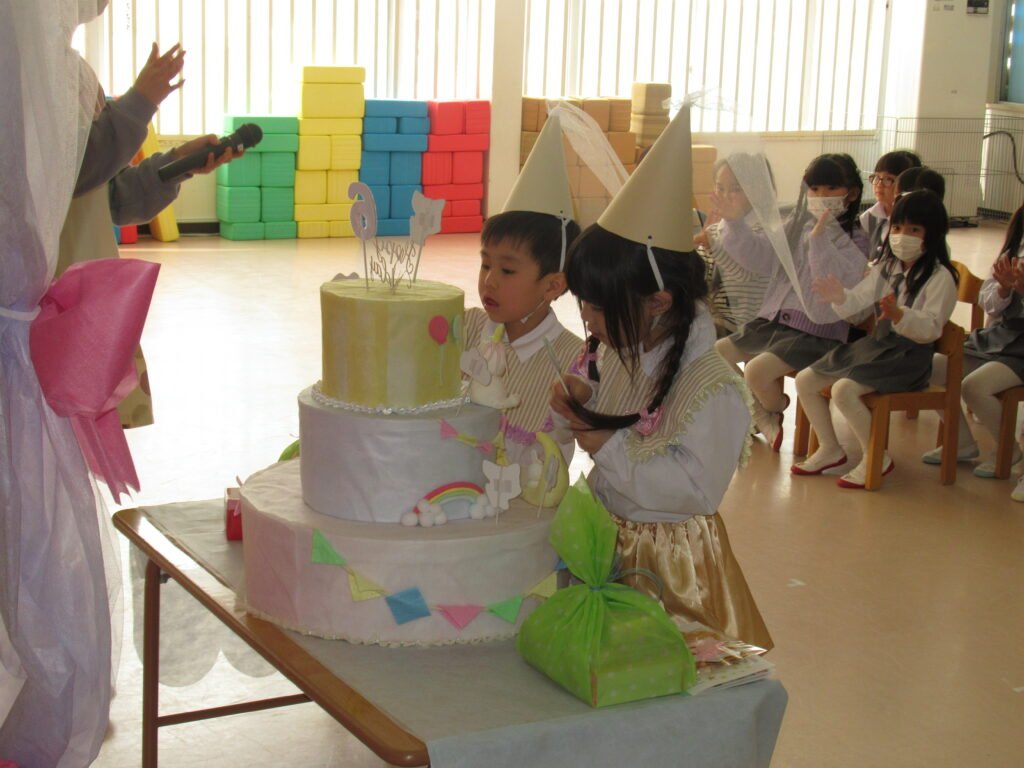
(654, 264)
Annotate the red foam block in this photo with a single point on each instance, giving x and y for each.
(463, 208)
(447, 117)
(129, 234)
(462, 142)
(478, 117)
(437, 168)
(467, 167)
(454, 191)
(453, 224)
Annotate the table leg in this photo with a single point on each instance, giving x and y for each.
(150, 665)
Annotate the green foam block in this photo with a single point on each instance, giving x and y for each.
(278, 203)
(277, 142)
(244, 230)
(238, 204)
(281, 230)
(277, 170)
(267, 123)
(243, 171)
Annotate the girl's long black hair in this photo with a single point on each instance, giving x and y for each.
(1014, 233)
(923, 208)
(833, 170)
(614, 275)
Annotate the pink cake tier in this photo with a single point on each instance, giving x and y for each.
(307, 572)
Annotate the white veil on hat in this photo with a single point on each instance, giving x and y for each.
(55, 642)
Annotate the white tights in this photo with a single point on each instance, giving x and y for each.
(846, 394)
(983, 381)
(763, 373)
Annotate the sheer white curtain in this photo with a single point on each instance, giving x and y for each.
(55, 644)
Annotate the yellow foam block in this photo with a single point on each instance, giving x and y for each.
(327, 212)
(704, 153)
(649, 98)
(619, 111)
(333, 74)
(531, 110)
(590, 185)
(332, 100)
(589, 209)
(575, 172)
(624, 144)
(328, 126)
(164, 226)
(600, 110)
(346, 152)
(313, 229)
(310, 187)
(630, 167)
(337, 186)
(526, 142)
(341, 228)
(703, 178)
(571, 158)
(314, 153)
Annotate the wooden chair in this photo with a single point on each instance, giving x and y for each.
(944, 397)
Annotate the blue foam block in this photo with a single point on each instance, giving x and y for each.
(375, 167)
(414, 125)
(382, 198)
(406, 167)
(395, 108)
(401, 200)
(380, 125)
(394, 142)
(392, 227)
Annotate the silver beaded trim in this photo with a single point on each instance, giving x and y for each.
(330, 402)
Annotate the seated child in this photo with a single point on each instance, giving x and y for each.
(790, 332)
(915, 286)
(875, 220)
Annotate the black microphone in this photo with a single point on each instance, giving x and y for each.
(248, 135)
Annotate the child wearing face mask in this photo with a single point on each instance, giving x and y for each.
(825, 238)
(916, 284)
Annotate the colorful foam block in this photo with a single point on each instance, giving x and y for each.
(380, 125)
(382, 199)
(406, 167)
(465, 207)
(395, 142)
(393, 227)
(436, 168)
(333, 74)
(242, 230)
(467, 167)
(267, 123)
(338, 183)
(327, 212)
(454, 191)
(619, 111)
(531, 111)
(280, 230)
(340, 228)
(277, 142)
(600, 110)
(277, 203)
(624, 145)
(346, 152)
(454, 224)
(329, 126)
(310, 187)
(238, 204)
(314, 153)
(478, 117)
(128, 234)
(395, 108)
(649, 98)
(243, 171)
(305, 229)
(401, 200)
(414, 125)
(277, 169)
(332, 100)
(476, 142)
(447, 117)
(375, 167)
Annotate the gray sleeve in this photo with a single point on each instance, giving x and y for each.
(114, 138)
(137, 195)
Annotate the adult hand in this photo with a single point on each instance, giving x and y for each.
(889, 309)
(212, 163)
(829, 290)
(154, 81)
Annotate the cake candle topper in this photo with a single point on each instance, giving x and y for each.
(393, 260)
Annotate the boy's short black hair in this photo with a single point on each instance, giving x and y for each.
(922, 177)
(541, 233)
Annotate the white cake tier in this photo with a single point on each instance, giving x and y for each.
(376, 467)
(465, 563)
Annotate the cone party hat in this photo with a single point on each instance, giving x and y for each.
(543, 184)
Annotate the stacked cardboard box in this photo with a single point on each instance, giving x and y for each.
(649, 115)
(255, 193)
(454, 164)
(394, 139)
(330, 149)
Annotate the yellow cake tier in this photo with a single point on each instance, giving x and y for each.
(381, 349)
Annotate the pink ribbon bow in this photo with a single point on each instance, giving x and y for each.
(648, 422)
(83, 348)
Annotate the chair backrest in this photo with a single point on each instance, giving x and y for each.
(968, 291)
(951, 344)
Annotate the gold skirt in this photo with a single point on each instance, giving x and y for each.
(700, 578)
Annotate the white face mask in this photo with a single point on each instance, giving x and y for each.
(818, 205)
(906, 247)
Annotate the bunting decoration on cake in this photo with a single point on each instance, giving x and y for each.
(410, 604)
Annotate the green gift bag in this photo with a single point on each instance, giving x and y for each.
(603, 642)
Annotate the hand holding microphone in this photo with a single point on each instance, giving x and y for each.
(206, 153)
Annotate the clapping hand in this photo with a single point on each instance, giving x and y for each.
(829, 290)
(889, 309)
(154, 81)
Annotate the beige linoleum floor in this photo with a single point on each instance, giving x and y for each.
(898, 616)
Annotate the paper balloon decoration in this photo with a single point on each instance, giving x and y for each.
(438, 329)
